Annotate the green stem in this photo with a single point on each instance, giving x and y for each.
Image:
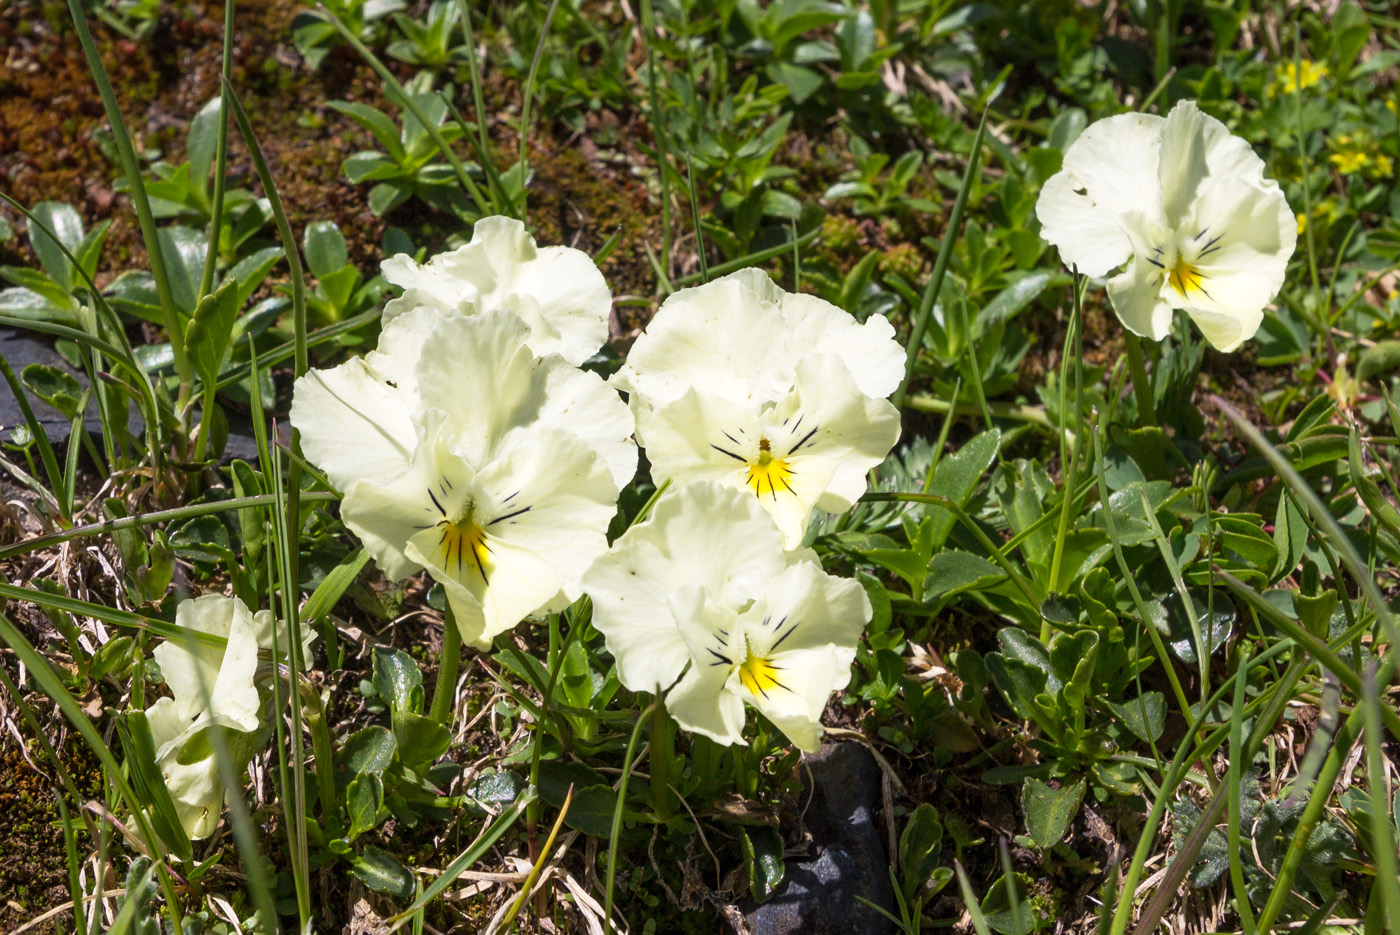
(147, 519)
(315, 717)
(127, 155)
(1142, 387)
(661, 755)
(617, 818)
(445, 691)
(940, 266)
(211, 256)
(206, 423)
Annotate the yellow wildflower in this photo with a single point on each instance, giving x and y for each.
(1302, 223)
(1290, 78)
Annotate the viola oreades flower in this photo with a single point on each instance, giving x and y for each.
(557, 291)
(196, 673)
(1185, 205)
(779, 394)
(463, 453)
(702, 597)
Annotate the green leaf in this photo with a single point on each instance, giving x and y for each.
(494, 791)
(1247, 538)
(333, 587)
(953, 572)
(367, 751)
(201, 145)
(591, 810)
(1145, 716)
(382, 872)
(421, 740)
(1050, 811)
(64, 221)
(207, 334)
(763, 859)
(363, 800)
(397, 679)
(956, 478)
(920, 848)
(325, 248)
(54, 386)
(1290, 537)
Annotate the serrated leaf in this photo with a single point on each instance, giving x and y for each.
(956, 478)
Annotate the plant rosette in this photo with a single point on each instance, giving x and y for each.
(1185, 205)
(557, 291)
(782, 394)
(463, 453)
(702, 599)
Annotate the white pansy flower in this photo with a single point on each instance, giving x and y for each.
(557, 291)
(702, 597)
(739, 382)
(196, 673)
(1186, 206)
(495, 470)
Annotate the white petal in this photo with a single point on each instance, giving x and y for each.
(557, 291)
(263, 622)
(806, 608)
(807, 679)
(869, 350)
(1090, 238)
(197, 793)
(701, 704)
(224, 676)
(582, 403)
(727, 336)
(352, 424)
(1196, 148)
(1115, 161)
(547, 508)
(480, 374)
(1244, 268)
(386, 516)
(1136, 294)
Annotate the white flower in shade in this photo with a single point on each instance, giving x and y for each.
(557, 291)
(702, 596)
(209, 685)
(740, 382)
(462, 453)
(1186, 206)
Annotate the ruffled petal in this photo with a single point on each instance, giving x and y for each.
(1090, 238)
(1197, 148)
(353, 425)
(1247, 236)
(869, 350)
(1136, 294)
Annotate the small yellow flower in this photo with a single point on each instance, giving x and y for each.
(1348, 161)
(1302, 223)
(1290, 78)
(1383, 166)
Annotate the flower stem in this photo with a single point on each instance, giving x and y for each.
(445, 690)
(660, 756)
(1142, 387)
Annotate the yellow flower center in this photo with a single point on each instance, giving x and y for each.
(1184, 277)
(463, 545)
(759, 675)
(768, 474)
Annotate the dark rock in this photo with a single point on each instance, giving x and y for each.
(20, 350)
(818, 895)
